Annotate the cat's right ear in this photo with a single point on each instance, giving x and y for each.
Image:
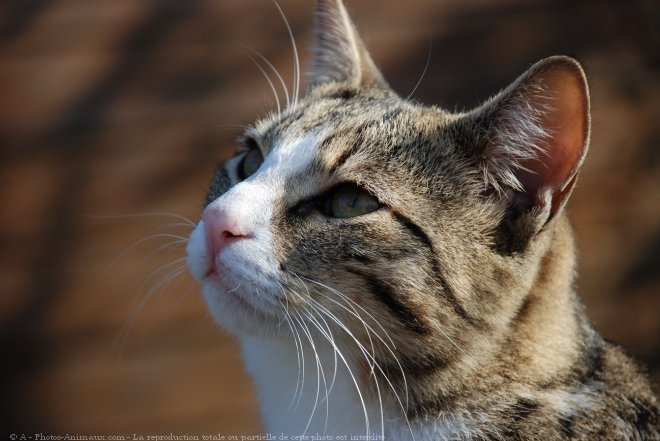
(339, 53)
(529, 142)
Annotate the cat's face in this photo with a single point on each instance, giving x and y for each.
(357, 210)
(327, 205)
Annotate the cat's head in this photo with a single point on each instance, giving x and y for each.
(356, 209)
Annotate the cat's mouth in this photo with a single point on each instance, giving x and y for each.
(232, 288)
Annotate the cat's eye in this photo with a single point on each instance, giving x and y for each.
(251, 163)
(349, 200)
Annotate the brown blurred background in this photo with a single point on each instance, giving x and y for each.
(124, 107)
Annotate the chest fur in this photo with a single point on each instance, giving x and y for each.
(318, 390)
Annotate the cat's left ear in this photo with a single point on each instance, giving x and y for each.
(530, 141)
(339, 53)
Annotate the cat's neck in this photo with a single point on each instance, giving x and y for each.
(291, 387)
(292, 393)
(549, 328)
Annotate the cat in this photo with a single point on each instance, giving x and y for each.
(398, 271)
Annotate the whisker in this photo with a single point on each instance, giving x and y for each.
(275, 71)
(163, 267)
(327, 334)
(322, 309)
(368, 356)
(387, 379)
(353, 306)
(343, 327)
(369, 330)
(270, 82)
(428, 61)
(298, 343)
(319, 372)
(302, 363)
(334, 376)
(137, 215)
(173, 281)
(226, 126)
(139, 242)
(123, 334)
(296, 60)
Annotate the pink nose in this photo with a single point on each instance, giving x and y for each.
(221, 229)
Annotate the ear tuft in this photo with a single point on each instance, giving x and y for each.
(517, 137)
(529, 142)
(535, 134)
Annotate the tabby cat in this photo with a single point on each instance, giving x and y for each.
(396, 270)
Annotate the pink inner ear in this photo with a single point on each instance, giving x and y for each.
(565, 121)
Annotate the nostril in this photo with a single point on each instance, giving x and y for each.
(228, 234)
(222, 228)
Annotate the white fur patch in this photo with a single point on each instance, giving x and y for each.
(248, 267)
(292, 392)
(294, 384)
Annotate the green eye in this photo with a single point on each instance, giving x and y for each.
(349, 200)
(251, 163)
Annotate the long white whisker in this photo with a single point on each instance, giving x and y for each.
(299, 349)
(298, 343)
(319, 372)
(309, 296)
(369, 331)
(296, 61)
(173, 280)
(302, 362)
(327, 334)
(428, 61)
(123, 334)
(270, 82)
(353, 305)
(356, 314)
(168, 245)
(368, 356)
(321, 308)
(342, 357)
(161, 268)
(371, 361)
(140, 242)
(357, 388)
(275, 71)
(226, 126)
(147, 214)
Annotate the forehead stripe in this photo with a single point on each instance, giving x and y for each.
(352, 149)
(359, 138)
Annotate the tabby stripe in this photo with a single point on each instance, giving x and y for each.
(346, 94)
(433, 407)
(399, 309)
(446, 288)
(389, 116)
(515, 417)
(347, 153)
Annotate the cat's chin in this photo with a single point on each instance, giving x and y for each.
(240, 313)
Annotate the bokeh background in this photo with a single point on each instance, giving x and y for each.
(124, 107)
